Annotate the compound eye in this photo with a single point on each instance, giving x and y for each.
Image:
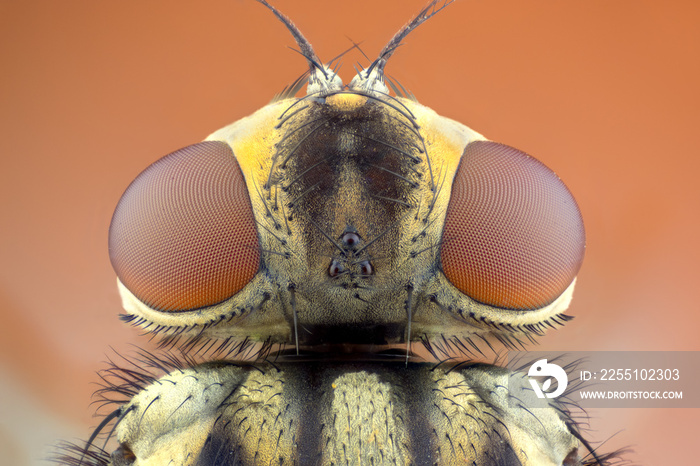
(513, 235)
(183, 235)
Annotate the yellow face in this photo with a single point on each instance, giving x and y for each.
(345, 221)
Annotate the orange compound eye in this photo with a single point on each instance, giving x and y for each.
(513, 235)
(183, 235)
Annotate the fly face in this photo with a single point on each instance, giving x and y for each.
(348, 216)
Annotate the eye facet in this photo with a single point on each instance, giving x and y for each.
(183, 235)
(513, 235)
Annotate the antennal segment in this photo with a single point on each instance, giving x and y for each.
(322, 80)
(372, 78)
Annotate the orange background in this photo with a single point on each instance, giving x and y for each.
(604, 92)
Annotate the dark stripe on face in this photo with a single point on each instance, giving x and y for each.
(370, 153)
(339, 170)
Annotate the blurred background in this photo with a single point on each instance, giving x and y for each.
(604, 92)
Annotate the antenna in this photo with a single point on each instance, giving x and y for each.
(322, 80)
(372, 78)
